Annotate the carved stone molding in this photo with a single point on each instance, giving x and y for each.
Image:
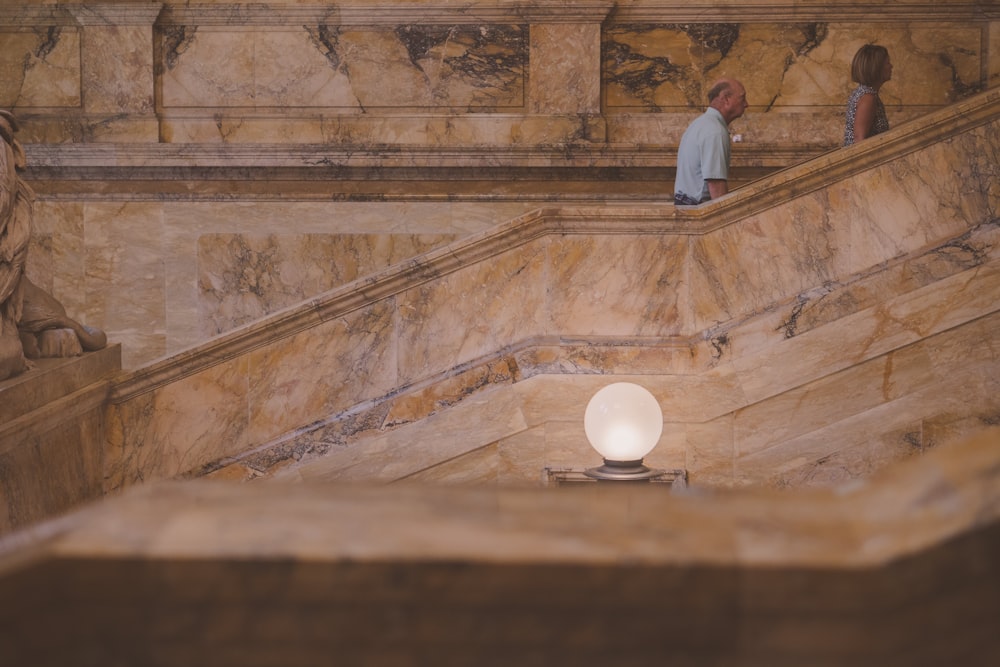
(100, 13)
(374, 14)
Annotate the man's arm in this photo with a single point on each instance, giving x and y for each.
(717, 187)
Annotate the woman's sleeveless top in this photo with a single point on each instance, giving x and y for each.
(881, 123)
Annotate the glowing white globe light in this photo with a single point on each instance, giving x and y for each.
(623, 422)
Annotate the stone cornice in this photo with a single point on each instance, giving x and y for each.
(372, 14)
(360, 12)
(305, 172)
(79, 14)
(104, 159)
(278, 14)
(796, 11)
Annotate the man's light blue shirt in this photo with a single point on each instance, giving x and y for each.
(702, 154)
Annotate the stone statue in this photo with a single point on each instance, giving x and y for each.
(33, 324)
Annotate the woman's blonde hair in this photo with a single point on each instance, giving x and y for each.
(866, 68)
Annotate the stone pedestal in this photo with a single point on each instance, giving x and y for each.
(52, 436)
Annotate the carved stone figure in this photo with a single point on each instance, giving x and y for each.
(33, 324)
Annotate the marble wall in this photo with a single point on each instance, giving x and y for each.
(145, 242)
(164, 276)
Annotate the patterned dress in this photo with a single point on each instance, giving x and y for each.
(881, 123)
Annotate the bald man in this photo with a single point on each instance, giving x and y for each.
(703, 154)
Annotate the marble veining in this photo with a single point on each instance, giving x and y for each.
(478, 67)
(40, 68)
(795, 65)
(244, 277)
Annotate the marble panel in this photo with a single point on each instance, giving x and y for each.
(62, 261)
(833, 398)
(796, 65)
(207, 68)
(323, 370)
(243, 277)
(976, 344)
(382, 233)
(617, 285)
(476, 67)
(297, 69)
(125, 267)
(479, 468)
(521, 458)
(118, 69)
(670, 452)
(392, 128)
(902, 219)
(993, 49)
(148, 441)
(976, 174)
(47, 473)
(958, 396)
(472, 312)
(978, 408)
(357, 68)
(749, 265)
(488, 417)
(924, 312)
(566, 446)
(711, 452)
(38, 262)
(140, 348)
(825, 304)
(857, 446)
(565, 68)
(40, 68)
(546, 398)
(658, 66)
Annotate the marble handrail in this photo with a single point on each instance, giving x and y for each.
(901, 511)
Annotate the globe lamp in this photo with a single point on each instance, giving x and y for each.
(623, 422)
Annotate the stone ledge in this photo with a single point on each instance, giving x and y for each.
(53, 379)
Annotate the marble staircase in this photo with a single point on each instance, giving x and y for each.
(807, 329)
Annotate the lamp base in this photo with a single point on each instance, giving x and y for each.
(623, 471)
